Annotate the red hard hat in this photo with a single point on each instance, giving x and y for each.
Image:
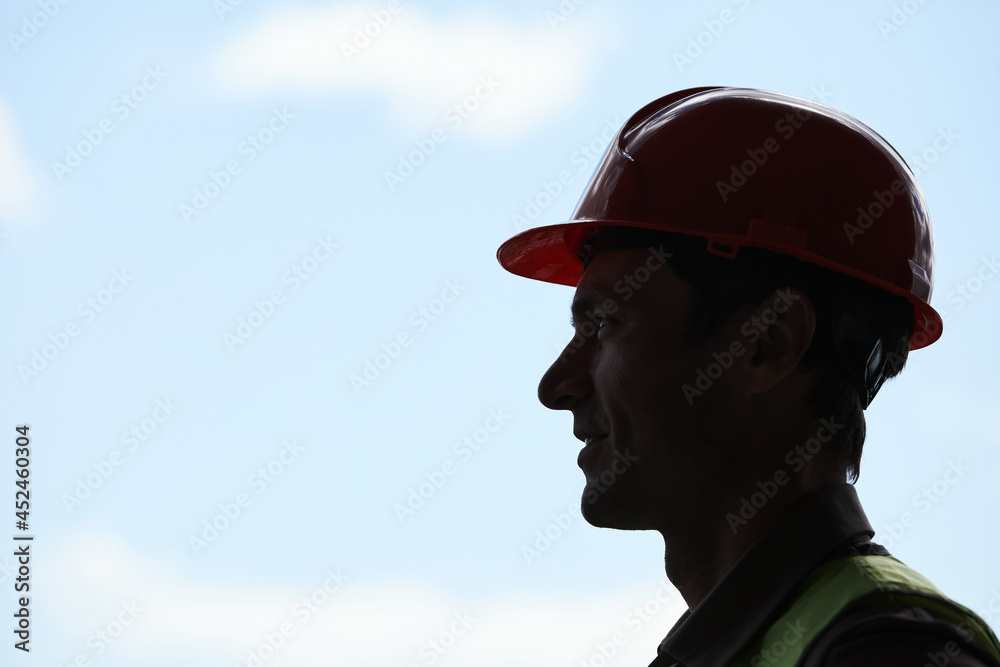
(745, 167)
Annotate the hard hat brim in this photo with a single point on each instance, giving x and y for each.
(551, 254)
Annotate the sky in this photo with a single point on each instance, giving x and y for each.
(280, 395)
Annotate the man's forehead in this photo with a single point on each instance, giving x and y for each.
(618, 275)
(602, 272)
(611, 265)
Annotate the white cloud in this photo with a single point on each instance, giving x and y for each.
(423, 65)
(18, 181)
(363, 623)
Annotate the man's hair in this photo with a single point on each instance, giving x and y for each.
(723, 287)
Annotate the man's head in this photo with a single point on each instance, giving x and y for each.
(793, 258)
(689, 371)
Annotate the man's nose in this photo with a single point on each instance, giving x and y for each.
(567, 380)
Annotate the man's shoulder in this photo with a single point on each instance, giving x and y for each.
(867, 610)
(896, 634)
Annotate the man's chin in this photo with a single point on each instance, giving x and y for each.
(602, 511)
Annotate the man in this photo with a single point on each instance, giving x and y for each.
(750, 267)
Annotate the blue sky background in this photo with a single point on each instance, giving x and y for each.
(563, 79)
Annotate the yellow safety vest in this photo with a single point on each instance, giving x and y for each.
(858, 582)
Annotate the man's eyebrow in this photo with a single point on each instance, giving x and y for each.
(583, 303)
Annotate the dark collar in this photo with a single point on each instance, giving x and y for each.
(739, 605)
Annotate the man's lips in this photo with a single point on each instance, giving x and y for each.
(590, 447)
(588, 432)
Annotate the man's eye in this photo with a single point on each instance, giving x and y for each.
(602, 322)
(590, 325)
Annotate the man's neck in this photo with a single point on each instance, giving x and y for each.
(700, 553)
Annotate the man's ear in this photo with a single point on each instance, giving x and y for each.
(786, 322)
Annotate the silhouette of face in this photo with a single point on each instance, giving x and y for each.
(650, 451)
